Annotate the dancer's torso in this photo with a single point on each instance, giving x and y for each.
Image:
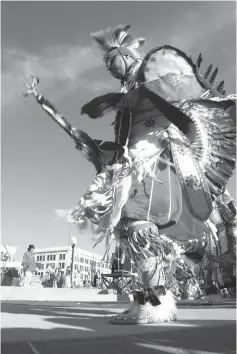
(158, 202)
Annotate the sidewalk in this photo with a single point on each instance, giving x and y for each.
(72, 297)
(10, 293)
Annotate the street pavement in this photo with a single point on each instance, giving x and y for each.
(47, 328)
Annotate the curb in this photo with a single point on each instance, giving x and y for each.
(231, 304)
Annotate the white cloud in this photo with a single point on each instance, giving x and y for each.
(62, 213)
(54, 66)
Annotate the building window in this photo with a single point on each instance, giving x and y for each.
(81, 259)
(81, 268)
(48, 258)
(54, 257)
(43, 258)
(62, 257)
(86, 261)
(37, 259)
(63, 265)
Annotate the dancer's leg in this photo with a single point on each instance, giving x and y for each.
(155, 304)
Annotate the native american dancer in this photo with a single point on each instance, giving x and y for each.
(173, 155)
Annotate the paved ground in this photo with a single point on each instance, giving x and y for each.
(41, 328)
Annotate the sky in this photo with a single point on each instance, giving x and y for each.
(42, 172)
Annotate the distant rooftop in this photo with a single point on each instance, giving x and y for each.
(52, 249)
(65, 249)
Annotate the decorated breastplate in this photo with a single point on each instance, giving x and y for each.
(145, 120)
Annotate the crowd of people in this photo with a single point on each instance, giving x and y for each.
(186, 284)
(57, 278)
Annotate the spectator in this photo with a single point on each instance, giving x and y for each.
(29, 266)
(95, 282)
(99, 280)
(56, 277)
(78, 280)
(67, 278)
(60, 278)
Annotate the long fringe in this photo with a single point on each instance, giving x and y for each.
(145, 243)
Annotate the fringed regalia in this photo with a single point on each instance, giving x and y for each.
(174, 152)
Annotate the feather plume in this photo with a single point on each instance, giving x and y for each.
(120, 32)
(213, 76)
(207, 72)
(115, 37)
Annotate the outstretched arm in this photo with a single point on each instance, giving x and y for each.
(49, 108)
(84, 143)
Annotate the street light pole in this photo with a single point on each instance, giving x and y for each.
(74, 242)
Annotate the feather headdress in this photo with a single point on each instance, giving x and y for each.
(118, 37)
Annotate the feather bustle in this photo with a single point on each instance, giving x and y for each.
(199, 61)
(220, 86)
(207, 72)
(213, 76)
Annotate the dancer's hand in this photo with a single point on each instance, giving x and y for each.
(30, 89)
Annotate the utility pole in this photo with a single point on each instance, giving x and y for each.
(74, 242)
